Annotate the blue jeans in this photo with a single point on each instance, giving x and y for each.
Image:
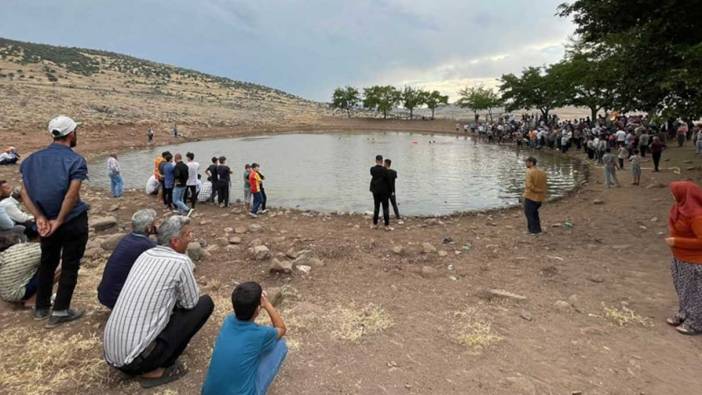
(178, 196)
(269, 365)
(257, 201)
(116, 185)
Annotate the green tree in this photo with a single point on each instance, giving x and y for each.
(433, 100)
(658, 45)
(535, 88)
(479, 99)
(345, 99)
(381, 98)
(413, 98)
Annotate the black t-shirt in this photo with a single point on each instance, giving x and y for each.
(181, 174)
(223, 173)
(213, 173)
(380, 183)
(392, 176)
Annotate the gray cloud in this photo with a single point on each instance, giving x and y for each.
(308, 47)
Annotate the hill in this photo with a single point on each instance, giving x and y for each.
(103, 88)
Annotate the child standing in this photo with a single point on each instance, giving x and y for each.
(635, 160)
(621, 155)
(247, 185)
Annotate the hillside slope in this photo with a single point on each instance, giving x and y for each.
(102, 88)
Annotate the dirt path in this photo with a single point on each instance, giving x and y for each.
(371, 320)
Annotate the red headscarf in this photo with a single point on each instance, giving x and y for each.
(688, 201)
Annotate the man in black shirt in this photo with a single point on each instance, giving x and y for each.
(180, 173)
(223, 181)
(380, 188)
(392, 176)
(212, 177)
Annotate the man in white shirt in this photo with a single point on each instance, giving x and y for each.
(158, 310)
(621, 136)
(193, 170)
(12, 208)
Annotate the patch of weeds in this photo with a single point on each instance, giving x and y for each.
(473, 331)
(625, 316)
(354, 323)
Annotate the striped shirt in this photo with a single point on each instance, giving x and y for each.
(160, 280)
(18, 264)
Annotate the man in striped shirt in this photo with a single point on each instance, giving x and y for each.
(18, 268)
(158, 310)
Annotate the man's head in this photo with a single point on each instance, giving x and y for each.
(168, 157)
(164, 154)
(246, 300)
(388, 162)
(214, 160)
(190, 156)
(144, 222)
(113, 155)
(174, 232)
(178, 157)
(247, 167)
(64, 130)
(222, 159)
(254, 166)
(379, 160)
(5, 189)
(530, 162)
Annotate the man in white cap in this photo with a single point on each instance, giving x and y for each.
(52, 179)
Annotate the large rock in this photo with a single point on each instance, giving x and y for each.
(240, 230)
(235, 240)
(111, 241)
(285, 267)
(254, 228)
(428, 272)
(490, 294)
(261, 253)
(222, 241)
(102, 223)
(195, 251)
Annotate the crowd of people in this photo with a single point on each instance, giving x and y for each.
(148, 284)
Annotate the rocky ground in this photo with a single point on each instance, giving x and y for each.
(459, 304)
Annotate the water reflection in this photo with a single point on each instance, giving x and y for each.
(330, 172)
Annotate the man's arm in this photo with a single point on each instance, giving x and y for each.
(69, 201)
(42, 224)
(275, 317)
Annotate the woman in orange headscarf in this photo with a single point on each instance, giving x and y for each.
(685, 241)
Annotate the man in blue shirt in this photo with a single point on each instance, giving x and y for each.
(52, 179)
(125, 254)
(246, 356)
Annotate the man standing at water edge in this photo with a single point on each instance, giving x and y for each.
(534, 195)
(392, 176)
(380, 188)
(113, 171)
(180, 173)
(193, 170)
(52, 179)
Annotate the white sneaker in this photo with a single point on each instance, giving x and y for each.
(264, 211)
(252, 215)
(190, 212)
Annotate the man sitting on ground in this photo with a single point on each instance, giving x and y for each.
(9, 200)
(125, 254)
(158, 310)
(18, 273)
(246, 356)
(9, 156)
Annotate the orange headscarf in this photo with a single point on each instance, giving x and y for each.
(688, 201)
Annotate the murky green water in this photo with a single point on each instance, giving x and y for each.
(330, 172)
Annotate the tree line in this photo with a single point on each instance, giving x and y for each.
(643, 57)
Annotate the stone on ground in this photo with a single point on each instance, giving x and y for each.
(103, 223)
(427, 248)
(235, 240)
(285, 267)
(195, 251)
(261, 253)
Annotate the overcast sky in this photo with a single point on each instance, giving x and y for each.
(309, 47)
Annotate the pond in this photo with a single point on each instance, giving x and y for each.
(437, 174)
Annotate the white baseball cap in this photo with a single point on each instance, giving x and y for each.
(62, 126)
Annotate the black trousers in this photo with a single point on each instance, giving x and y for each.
(393, 201)
(172, 341)
(168, 197)
(381, 199)
(643, 149)
(191, 193)
(656, 160)
(264, 199)
(531, 210)
(66, 245)
(223, 192)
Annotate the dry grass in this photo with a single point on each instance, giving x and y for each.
(472, 331)
(353, 323)
(625, 316)
(39, 362)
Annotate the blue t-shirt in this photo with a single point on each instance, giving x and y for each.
(118, 266)
(236, 356)
(46, 175)
(168, 175)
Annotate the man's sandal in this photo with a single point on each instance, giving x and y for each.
(675, 320)
(171, 374)
(687, 330)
